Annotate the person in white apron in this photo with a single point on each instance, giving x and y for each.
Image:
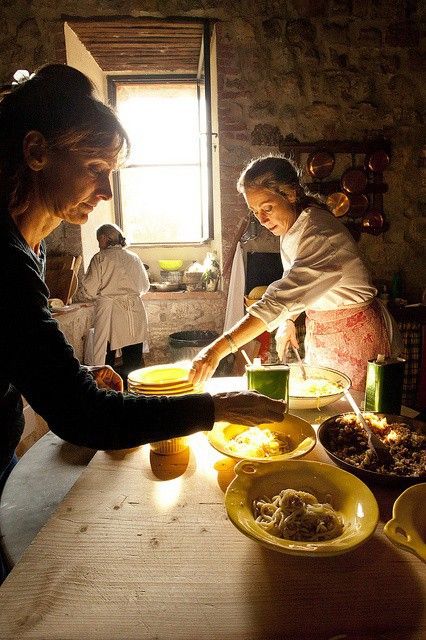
(323, 275)
(116, 280)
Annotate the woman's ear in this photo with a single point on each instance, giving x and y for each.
(35, 150)
(289, 193)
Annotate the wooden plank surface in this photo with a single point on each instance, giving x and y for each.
(142, 548)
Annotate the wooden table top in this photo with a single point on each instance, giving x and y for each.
(141, 547)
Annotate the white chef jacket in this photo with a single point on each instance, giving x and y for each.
(322, 271)
(115, 280)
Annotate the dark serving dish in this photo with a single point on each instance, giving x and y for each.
(376, 477)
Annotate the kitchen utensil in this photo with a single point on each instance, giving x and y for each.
(330, 433)
(320, 164)
(301, 365)
(338, 202)
(358, 204)
(373, 222)
(300, 433)
(407, 528)
(378, 161)
(165, 286)
(351, 498)
(380, 450)
(170, 265)
(354, 180)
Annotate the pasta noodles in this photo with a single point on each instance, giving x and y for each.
(313, 387)
(297, 515)
(258, 443)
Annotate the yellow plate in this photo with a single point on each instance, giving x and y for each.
(302, 437)
(161, 393)
(349, 496)
(161, 387)
(159, 375)
(407, 529)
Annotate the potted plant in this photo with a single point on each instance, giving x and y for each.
(211, 272)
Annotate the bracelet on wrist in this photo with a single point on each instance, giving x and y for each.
(231, 343)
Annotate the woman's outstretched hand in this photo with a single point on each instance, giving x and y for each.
(106, 378)
(247, 407)
(204, 365)
(285, 336)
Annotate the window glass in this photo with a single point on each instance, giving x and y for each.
(163, 190)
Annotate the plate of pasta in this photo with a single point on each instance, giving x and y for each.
(290, 438)
(302, 508)
(322, 387)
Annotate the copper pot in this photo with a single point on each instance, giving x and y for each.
(358, 204)
(354, 180)
(320, 164)
(338, 203)
(373, 222)
(377, 161)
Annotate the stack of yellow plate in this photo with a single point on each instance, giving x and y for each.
(165, 380)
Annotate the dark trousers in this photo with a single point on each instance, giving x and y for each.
(132, 358)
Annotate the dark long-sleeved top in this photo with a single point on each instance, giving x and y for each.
(38, 363)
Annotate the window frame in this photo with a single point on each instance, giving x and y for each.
(201, 78)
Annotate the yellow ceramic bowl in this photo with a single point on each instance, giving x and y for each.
(407, 528)
(302, 437)
(314, 402)
(170, 265)
(349, 496)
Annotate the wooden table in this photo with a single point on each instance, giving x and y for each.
(141, 547)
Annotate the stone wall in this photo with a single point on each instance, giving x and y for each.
(312, 69)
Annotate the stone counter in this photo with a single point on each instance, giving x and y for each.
(173, 311)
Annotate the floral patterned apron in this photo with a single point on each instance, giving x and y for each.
(345, 339)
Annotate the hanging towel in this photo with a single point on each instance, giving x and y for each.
(235, 303)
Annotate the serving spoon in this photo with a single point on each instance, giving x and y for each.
(376, 445)
(301, 365)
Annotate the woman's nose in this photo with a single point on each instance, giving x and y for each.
(104, 191)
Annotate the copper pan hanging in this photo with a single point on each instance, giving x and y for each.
(320, 164)
(373, 222)
(354, 180)
(377, 161)
(358, 204)
(338, 203)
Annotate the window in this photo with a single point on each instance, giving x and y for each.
(163, 195)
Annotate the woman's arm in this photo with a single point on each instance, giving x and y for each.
(207, 361)
(91, 283)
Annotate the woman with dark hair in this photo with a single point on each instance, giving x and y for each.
(323, 276)
(116, 280)
(58, 146)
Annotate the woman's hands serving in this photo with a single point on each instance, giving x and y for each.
(205, 364)
(285, 336)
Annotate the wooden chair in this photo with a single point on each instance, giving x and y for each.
(61, 276)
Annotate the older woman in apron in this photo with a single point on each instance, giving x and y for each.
(323, 275)
(116, 280)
